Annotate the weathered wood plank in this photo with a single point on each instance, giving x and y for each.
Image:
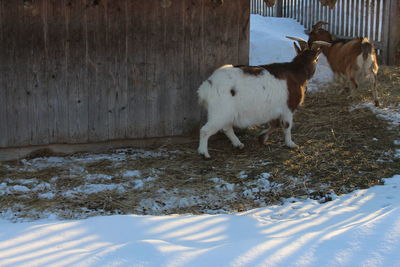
(17, 109)
(394, 33)
(193, 61)
(172, 88)
(155, 67)
(244, 32)
(54, 53)
(36, 77)
(81, 77)
(221, 33)
(75, 72)
(97, 70)
(3, 80)
(385, 32)
(116, 69)
(136, 66)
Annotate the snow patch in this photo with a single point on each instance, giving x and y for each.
(98, 176)
(94, 188)
(130, 174)
(392, 115)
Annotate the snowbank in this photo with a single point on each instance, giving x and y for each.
(359, 229)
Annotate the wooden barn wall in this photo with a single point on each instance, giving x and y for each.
(78, 71)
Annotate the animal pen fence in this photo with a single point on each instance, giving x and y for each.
(376, 19)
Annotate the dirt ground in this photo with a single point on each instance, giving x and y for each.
(343, 147)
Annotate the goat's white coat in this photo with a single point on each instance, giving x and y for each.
(257, 99)
(365, 66)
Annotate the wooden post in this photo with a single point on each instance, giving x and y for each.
(391, 35)
(394, 33)
(279, 7)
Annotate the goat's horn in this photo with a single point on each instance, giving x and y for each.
(322, 43)
(296, 39)
(318, 25)
(316, 44)
(303, 43)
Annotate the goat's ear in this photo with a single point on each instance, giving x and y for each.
(297, 48)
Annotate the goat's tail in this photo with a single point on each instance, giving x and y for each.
(209, 87)
(203, 92)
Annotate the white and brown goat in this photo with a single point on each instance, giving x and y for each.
(355, 59)
(244, 96)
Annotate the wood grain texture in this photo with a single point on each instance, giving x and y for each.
(38, 97)
(3, 80)
(116, 68)
(136, 67)
(78, 71)
(193, 61)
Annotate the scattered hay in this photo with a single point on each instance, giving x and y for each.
(341, 149)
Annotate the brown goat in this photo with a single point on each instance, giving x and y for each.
(353, 59)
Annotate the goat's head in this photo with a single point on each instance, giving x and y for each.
(319, 34)
(307, 56)
(306, 50)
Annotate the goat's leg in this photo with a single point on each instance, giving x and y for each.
(375, 90)
(264, 135)
(354, 86)
(228, 130)
(343, 83)
(206, 131)
(287, 123)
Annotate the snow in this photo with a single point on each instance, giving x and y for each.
(391, 114)
(130, 174)
(358, 229)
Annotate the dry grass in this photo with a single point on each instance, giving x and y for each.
(340, 150)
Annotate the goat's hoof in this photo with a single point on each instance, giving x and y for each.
(344, 90)
(292, 145)
(204, 154)
(262, 139)
(240, 146)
